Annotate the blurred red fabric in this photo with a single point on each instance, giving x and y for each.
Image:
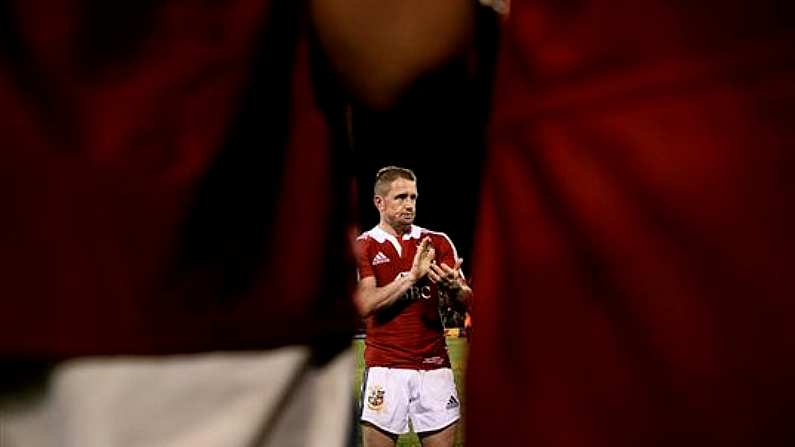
(115, 118)
(634, 258)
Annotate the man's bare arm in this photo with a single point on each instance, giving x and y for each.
(463, 295)
(370, 298)
(451, 282)
(380, 47)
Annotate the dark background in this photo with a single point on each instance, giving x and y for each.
(437, 129)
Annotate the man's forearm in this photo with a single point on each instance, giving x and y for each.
(370, 299)
(461, 296)
(465, 296)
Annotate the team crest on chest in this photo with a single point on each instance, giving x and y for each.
(380, 258)
(375, 400)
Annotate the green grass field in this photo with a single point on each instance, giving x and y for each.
(458, 354)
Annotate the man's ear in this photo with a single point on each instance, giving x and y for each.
(378, 201)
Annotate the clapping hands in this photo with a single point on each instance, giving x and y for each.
(446, 277)
(423, 260)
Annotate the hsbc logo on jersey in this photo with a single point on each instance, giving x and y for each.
(380, 258)
(415, 293)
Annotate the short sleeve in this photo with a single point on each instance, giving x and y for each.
(447, 251)
(363, 267)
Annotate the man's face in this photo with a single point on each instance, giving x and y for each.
(398, 206)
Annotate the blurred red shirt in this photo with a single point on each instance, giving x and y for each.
(634, 259)
(157, 159)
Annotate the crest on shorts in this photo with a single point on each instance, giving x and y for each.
(375, 400)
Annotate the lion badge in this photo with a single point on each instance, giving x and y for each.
(375, 400)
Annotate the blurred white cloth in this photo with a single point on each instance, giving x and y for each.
(271, 398)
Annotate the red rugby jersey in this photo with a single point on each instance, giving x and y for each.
(408, 334)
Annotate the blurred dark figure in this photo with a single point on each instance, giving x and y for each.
(156, 157)
(171, 187)
(634, 253)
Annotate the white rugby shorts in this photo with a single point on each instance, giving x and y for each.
(392, 396)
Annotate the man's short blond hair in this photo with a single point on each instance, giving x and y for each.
(385, 176)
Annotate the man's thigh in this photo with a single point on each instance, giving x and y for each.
(442, 438)
(372, 436)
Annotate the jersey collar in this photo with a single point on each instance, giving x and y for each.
(380, 235)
